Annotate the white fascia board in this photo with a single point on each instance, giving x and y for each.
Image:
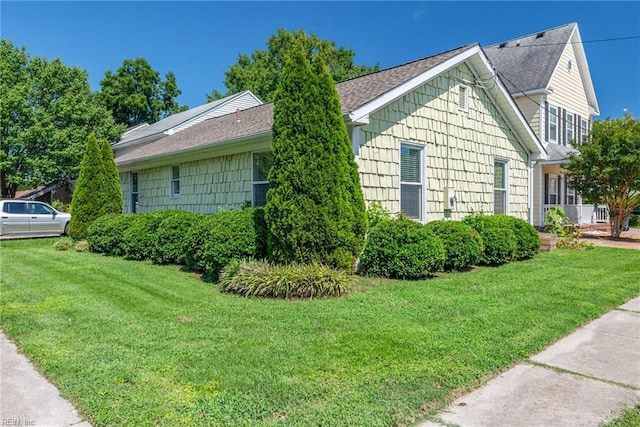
(222, 148)
(408, 86)
(581, 57)
(505, 102)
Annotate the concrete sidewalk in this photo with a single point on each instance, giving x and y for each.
(26, 398)
(585, 379)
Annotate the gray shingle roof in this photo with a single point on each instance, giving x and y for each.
(559, 153)
(259, 120)
(174, 120)
(529, 65)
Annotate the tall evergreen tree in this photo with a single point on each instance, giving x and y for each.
(112, 189)
(315, 209)
(88, 194)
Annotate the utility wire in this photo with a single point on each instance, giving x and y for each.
(556, 44)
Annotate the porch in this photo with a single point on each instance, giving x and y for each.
(582, 214)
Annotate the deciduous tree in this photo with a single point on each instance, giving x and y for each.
(315, 210)
(607, 168)
(47, 110)
(260, 73)
(135, 93)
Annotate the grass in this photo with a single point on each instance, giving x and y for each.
(130, 343)
(629, 418)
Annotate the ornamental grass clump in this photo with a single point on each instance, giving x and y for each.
(402, 249)
(462, 244)
(263, 279)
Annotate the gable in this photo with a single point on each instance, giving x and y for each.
(567, 84)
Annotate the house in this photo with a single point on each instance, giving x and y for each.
(439, 137)
(54, 191)
(136, 136)
(548, 76)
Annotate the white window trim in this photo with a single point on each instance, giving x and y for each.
(505, 162)
(584, 130)
(132, 208)
(254, 183)
(172, 180)
(570, 129)
(557, 189)
(423, 178)
(557, 122)
(463, 95)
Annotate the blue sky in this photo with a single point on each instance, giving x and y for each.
(199, 40)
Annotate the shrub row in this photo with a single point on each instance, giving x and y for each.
(205, 243)
(405, 249)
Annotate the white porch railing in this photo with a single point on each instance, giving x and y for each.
(581, 214)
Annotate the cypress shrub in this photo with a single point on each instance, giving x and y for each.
(171, 242)
(462, 244)
(112, 190)
(105, 234)
(88, 194)
(402, 248)
(315, 210)
(217, 239)
(140, 237)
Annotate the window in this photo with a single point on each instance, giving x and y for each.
(570, 128)
(571, 195)
(411, 194)
(553, 189)
(261, 164)
(500, 187)
(134, 192)
(463, 98)
(584, 129)
(175, 181)
(553, 123)
(38, 209)
(15, 207)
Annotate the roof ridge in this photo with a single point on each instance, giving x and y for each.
(532, 34)
(468, 45)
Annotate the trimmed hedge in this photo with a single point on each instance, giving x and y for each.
(140, 238)
(105, 234)
(217, 239)
(498, 237)
(171, 243)
(402, 249)
(462, 244)
(261, 279)
(527, 238)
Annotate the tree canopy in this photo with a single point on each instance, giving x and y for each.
(607, 168)
(315, 209)
(135, 93)
(260, 73)
(47, 110)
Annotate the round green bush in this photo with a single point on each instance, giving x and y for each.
(498, 237)
(140, 238)
(462, 244)
(402, 248)
(105, 234)
(217, 239)
(527, 238)
(171, 243)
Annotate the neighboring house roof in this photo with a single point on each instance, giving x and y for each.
(36, 192)
(558, 153)
(528, 63)
(359, 97)
(179, 121)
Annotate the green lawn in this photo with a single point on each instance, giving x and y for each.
(131, 343)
